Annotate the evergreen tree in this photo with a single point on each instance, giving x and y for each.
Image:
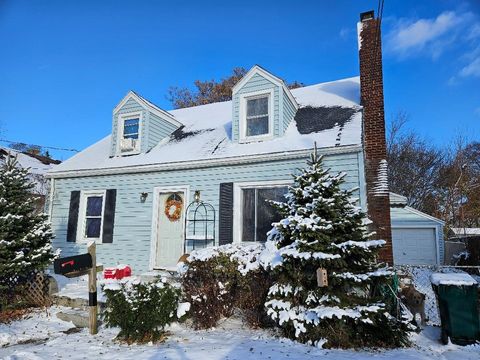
(323, 228)
(25, 237)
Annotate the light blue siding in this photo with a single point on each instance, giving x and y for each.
(402, 217)
(288, 112)
(156, 130)
(133, 219)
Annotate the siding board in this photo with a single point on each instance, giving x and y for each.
(132, 231)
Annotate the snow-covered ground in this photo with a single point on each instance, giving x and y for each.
(43, 336)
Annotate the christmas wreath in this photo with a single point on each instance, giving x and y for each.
(173, 208)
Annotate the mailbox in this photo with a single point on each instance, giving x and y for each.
(73, 264)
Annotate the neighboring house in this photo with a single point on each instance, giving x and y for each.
(462, 241)
(38, 166)
(417, 237)
(462, 233)
(129, 191)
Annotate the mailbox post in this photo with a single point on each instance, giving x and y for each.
(92, 289)
(74, 266)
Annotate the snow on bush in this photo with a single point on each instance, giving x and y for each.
(141, 310)
(218, 280)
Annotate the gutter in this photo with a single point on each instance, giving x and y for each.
(197, 164)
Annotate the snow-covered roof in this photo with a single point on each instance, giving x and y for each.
(465, 231)
(38, 165)
(397, 200)
(207, 131)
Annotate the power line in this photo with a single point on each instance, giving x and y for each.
(40, 146)
(380, 6)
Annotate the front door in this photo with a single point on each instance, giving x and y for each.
(171, 210)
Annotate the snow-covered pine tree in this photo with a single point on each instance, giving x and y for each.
(323, 228)
(25, 237)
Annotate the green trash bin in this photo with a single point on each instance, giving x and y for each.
(457, 297)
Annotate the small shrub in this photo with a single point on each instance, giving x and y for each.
(251, 296)
(219, 280)
(140, 310)
(209, 286)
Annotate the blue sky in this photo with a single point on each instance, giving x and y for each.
(66, 64)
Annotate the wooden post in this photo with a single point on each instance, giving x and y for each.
(92, 289)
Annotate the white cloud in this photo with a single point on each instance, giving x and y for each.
(408, 37)
(450, 30)
(431, 36)
(474, 32)
(471, 69)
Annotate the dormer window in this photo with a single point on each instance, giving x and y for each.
(129, 134)
(256, 116)
(130, 128)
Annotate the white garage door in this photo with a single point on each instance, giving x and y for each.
(414, 246)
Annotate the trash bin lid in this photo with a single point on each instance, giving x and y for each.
(457, 279)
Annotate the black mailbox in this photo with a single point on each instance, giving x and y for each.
(72, 264)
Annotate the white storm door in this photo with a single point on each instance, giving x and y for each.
(171, 208)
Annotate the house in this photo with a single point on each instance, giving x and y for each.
(134, 191)
(462, 233)
(38, 166)
(460, 242)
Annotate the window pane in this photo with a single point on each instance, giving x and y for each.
(130, 128)
(248, 214)
(266, 213)
(94, 205)
(257, 126)
(257, 107)
(92, 228)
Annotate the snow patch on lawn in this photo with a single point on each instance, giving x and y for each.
(184, 344)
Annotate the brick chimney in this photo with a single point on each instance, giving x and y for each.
(375, 150)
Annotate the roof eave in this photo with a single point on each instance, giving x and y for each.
(191, 164)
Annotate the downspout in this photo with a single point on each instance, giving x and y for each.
(50, 201)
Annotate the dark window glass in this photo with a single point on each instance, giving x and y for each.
(257, 107)
(257, 116)
(92, 227)
(130, 128)
(257, 126)
(94, 205)
(248, 221)
(93, 216)
(258, 214)
(266, 213)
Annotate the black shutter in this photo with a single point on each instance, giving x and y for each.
(225, 217)
(73, 216)
(109, 216)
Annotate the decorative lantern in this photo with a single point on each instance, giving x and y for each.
(196, 196)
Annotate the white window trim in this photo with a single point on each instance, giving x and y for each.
(238, 203)
(121, 128)
(82, 218)
(243, 115)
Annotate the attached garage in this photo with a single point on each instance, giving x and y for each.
(417, 237)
